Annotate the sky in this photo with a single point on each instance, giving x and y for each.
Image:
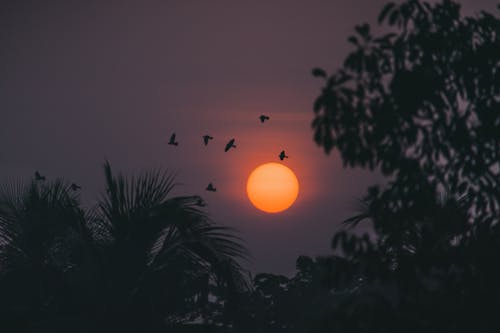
(82, 82)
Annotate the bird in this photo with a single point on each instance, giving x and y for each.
(282, 155)
(172, 140)
(263, 118)
(75, 187)
(38, 176)
(230, 145)
(207, 138)
(211, 188)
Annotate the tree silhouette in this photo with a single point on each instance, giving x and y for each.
(425, 264)
(140, 260)
(294, 304)
(42, 245)
(422, 99)
(421, 105)
(159, 254)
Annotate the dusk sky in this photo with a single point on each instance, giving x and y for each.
(86, 81)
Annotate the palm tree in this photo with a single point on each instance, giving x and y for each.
(140, 260)
(158, 253)
(41, 245)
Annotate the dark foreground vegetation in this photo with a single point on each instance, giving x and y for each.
(420, 103)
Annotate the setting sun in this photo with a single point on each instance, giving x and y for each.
(272, 187)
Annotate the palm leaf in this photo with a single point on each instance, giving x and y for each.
(151, 233)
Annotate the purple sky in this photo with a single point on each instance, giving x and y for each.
(81, 81)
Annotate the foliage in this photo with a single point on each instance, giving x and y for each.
(422, 99)
(421, 104)
(426, 264)
(42, 245)
(141, 260)
(149, 239)
(281, 304)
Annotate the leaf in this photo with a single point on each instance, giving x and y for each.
(462, 188)
(318, 104)
(363, 29)
(353, 40)
(383, 13)
(338, 239)
(393, 17)
(319, 72)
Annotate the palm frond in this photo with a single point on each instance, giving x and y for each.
(129, 200)
(166, 230)
(37, 223)
(217, 246)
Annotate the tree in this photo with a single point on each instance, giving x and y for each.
(420, 100)
(159, 254)
(421, 105)
(140, 260)
(42, 245)
(294, 304)
(426, 264)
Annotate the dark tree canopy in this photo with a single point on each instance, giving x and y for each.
(422, 105)
(423, 100)
(141, 260)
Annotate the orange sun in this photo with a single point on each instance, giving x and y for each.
(272, 187)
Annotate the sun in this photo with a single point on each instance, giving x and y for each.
(272, 187)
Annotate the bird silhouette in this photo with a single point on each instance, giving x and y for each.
(211, 188)
(263, 118)
(230, 145)
(207, 138)
(282, 155)
(39, 177)
(172, 140)
(75, 187)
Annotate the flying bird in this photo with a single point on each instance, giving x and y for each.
(207, 138)
(211, 188)
(75, 187)
(282, 155)
(172, 140)
(263, 118)
(39, 177)
(230, 145)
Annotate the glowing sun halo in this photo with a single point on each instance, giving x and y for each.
(272, 187)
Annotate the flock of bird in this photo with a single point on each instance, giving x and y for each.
(206, 139)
